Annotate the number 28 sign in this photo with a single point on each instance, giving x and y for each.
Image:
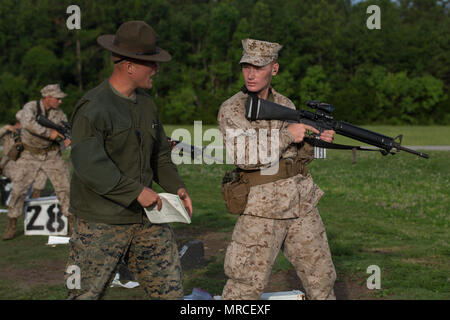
(43, 216)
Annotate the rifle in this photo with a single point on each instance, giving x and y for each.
(43, 121)
(260, 109)
(195, 151)
(63, 129)
(177, 144)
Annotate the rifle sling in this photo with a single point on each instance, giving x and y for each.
(253, 107)
(39, 112)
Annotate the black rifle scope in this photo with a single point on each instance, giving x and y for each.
(328, 108)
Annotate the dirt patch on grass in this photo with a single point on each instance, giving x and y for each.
(422, 261)
(346, 289)
(389, 250)
(48, 273)
(215, 244)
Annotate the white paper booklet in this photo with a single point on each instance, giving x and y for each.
(172, 210)
(53, 240)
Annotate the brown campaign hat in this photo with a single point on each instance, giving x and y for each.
(259, 53)
(135, 39)
(53, 90)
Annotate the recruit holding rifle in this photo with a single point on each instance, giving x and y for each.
(63, 129)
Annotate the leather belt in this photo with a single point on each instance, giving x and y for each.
(287, 168)
(40, 150)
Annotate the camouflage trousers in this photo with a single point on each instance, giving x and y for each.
(39, 182)
(27, 170)
(150, 250)
(254, 248)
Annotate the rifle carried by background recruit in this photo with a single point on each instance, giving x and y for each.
(181, 147)
(260, 109)
(63, 129)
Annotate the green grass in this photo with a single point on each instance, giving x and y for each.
(390, 211)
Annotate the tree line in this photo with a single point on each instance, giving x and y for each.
(399, 74)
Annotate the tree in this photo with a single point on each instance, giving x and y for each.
(328, 53)
(40, 66)
(314, 85)
(12, 95)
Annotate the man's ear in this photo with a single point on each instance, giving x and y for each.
(275, 68)
(129, 67)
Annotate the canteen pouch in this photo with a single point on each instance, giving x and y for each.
(15, 151)
(235, 192)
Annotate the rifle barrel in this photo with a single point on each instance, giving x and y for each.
(418, 153)
(370, 137)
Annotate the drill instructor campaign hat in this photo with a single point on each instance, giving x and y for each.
(136, 40)
(53, 90)
(259, 53)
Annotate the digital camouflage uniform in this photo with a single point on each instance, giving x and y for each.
(9, 166)
(40, 154)
(149, 249)
(279, 215)
(118, 148)
(8, 140)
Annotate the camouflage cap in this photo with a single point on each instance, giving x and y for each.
(259, 53)
(53, 90)
(19, 114)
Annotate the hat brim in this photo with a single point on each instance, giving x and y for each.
(107, 42)
(255, 61)
(60, 95)
(56, 95)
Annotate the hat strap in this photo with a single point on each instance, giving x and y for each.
(120, 60)
(137, 54)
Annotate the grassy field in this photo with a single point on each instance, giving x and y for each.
(390, 211)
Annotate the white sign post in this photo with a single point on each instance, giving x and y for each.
(43, 216)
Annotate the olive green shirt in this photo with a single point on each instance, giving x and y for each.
(118, 147)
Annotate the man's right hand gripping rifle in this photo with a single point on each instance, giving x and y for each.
(55, 135)
(58, 133)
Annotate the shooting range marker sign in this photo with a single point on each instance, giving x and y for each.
(43, 216)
